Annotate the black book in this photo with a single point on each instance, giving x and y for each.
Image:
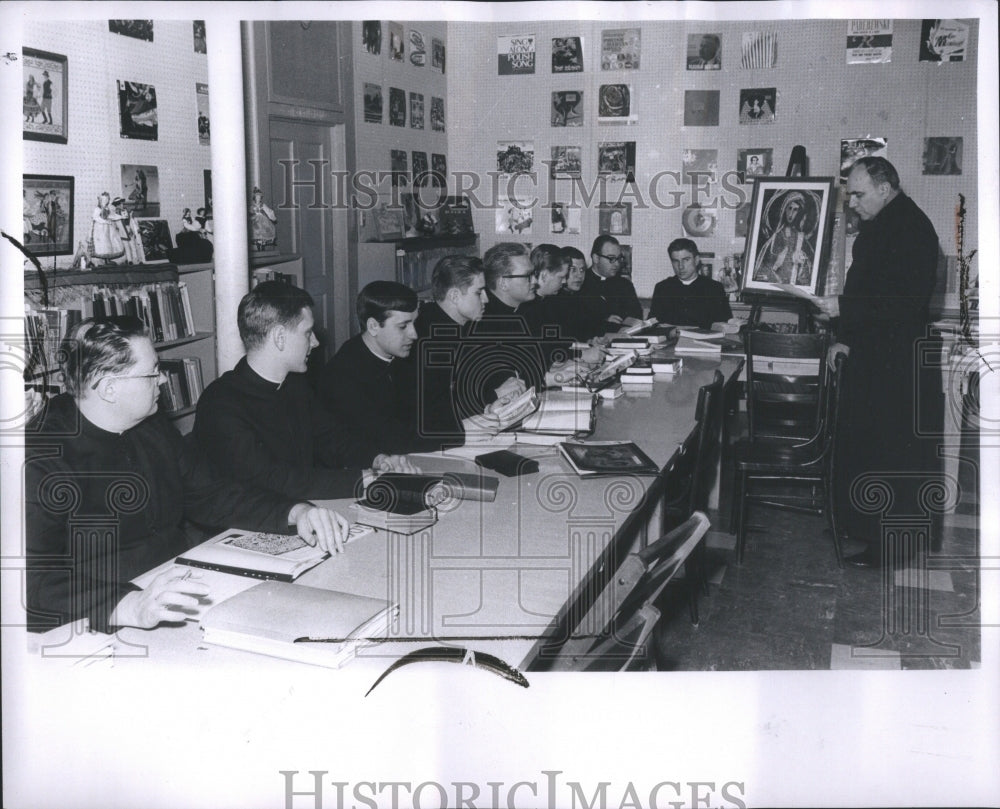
(607, 458)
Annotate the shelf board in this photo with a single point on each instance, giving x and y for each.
(184, 411)
(187, 269)
(201, 335)
(136, 274)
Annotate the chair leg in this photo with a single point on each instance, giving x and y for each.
(741, 518)
(693, 587)
(828, 490)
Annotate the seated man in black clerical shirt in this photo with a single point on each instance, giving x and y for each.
(370, 385)
(688, 298)
(109, 483)
(262, 423)
(580, 317)
(603, 285)
(511, 283)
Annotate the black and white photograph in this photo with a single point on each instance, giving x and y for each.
(140, 189)
(300, 501)
(137, 111)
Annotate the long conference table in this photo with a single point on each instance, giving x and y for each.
(491, 577)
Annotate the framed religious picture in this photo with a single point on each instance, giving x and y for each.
(788, 241)
(45, 109)
(48, 214)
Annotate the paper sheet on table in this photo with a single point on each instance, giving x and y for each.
(791, 289)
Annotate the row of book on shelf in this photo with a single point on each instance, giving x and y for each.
(163, 307)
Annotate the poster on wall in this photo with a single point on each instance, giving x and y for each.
(156, 244)
(869, 42)
(141, 189)
(621, 49)
(373, 103)
(701, 108)
(207, 181)
(437, 54)
(437, 114)
(704, 52)
(48, 214)
(615, 219)
(758, 49)
(567, 108)
(514, 217)
(943, 40)
(617, 159)
(515, 157)
(421, 169)
(45, 103)
(698, 165)
(698, 221)
(758, 105)
(137, 29)
(567, 55)
(397, 107)
(439, 170)
(752, 163)
(565, 218)
(371, 36)
(200, 41)
(204, 123)
(137, 110)
(616, 104)
(853, 148)
(566, 161)
(418, 48)
(942, 155)
(416, 110)
(516, 55)
(396, 46)
(397, 163)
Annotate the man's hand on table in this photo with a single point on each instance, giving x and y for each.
(320, 526)
(170, 597)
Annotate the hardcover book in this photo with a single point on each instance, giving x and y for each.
(305, 624)
(607, 458)
(252, 553)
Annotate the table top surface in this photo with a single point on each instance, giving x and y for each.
(490, 576)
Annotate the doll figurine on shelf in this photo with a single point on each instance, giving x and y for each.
(128, 232)
(104, 233)
(262, 219)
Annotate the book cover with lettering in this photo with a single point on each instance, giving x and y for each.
(621, 49)
(516, 55)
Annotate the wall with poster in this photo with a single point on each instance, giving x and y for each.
(158, 166)
(701, 97)
(401, 125)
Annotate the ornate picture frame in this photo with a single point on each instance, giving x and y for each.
(788, 239)
(45, 96)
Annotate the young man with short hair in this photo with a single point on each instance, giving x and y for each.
(261, 421)
(611, 293)
(688, 298)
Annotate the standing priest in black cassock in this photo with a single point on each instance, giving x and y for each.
(891, 394)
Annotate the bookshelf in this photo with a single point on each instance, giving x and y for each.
(183, 327)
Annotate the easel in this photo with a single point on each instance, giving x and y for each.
(798, 166)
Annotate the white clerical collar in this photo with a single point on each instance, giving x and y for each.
(688, 283)
(375, 352)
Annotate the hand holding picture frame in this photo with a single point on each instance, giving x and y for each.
(788, 241)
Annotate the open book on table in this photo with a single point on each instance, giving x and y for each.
(562, 412)
(255, 554)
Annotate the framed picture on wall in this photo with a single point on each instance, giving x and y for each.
(48, 214)
(156, 244)
(788, 235)
(45, 111)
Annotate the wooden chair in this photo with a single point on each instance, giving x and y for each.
(782, 461)
(614, 632)
(784, 386)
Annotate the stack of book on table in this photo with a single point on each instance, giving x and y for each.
(400, 503)
(305, 624)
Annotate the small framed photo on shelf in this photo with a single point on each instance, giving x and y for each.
(789, 226)
(156, 243)
(45, 109)
(48, 214)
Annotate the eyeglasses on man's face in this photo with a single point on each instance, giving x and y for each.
(520, 275)
(154, 375)
(616, 259)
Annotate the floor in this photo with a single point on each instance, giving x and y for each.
(789, 606)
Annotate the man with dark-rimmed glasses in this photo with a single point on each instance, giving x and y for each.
(608, 290)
